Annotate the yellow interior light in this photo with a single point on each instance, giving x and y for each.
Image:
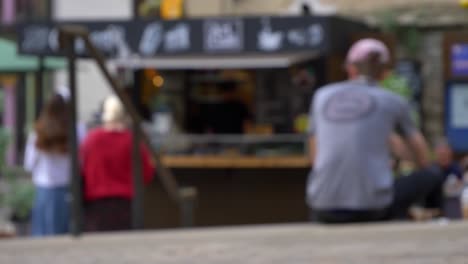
(464, 3)
(158, 81)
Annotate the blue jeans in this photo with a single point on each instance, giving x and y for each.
(50, 214)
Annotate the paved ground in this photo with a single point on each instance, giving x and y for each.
(396, 244)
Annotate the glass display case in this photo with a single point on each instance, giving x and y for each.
(232, 145)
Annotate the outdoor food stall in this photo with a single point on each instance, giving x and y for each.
(226, 100)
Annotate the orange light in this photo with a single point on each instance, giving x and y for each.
(464, 3)
(172, 9)
(158, 81)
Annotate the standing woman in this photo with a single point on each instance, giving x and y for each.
(47, 158)
(106, 159)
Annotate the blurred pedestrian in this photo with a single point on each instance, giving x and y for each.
(351, 127)
(106, 156)
(47, 158)
(452, 174)
(445, 162)
(81, 128)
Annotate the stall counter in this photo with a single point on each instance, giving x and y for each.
(236, 162)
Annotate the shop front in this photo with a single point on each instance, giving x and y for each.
(226, 100)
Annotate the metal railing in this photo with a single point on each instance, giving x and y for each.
(184, 197)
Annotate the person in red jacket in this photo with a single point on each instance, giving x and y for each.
(106, 156)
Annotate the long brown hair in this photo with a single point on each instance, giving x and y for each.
(52, 126)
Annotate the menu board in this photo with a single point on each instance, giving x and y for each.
(194, 36)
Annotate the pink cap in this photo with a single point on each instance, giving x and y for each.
(362, 48)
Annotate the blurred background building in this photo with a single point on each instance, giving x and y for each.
(417, 28)
(277, 87)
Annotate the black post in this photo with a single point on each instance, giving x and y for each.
(76, 219)
(135, 12)
(20, 117)
(138, 196)
(50, 10)
(137, 202)
(39, 87)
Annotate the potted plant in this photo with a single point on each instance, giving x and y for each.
(17, 193)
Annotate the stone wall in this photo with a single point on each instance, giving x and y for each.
(431, 56)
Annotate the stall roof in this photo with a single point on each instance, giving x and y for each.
(12, 62)
(217, 62)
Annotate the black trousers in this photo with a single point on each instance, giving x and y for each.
(108, 214)
(422, 187)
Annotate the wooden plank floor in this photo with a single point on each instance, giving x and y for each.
(388, 243)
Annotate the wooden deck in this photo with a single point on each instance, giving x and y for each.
(429, 243)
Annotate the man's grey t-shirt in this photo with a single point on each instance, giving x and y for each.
(352, 122)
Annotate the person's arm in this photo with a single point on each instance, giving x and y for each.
(149, 167)
(31, 153)
(399, 148)
(420, 149)
(85, 149)
(311, 130)
(415, 140)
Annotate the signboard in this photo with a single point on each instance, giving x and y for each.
(456, 115)
(459, 106)
(223, 35)
(194, 36)
(459, 59)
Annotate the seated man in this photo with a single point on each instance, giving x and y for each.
(444, 161)
(351, 124)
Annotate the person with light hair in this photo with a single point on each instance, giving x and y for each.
(106, 157)
(352, 125)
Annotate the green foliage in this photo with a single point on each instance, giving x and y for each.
(18, 194)
(398, 85)
(409, 37)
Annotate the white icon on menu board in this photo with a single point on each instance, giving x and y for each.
(35, 39)
(315, 34)
(151, 39)
(268, 40)
(297, 37)
(223, 35)
(178, 38)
